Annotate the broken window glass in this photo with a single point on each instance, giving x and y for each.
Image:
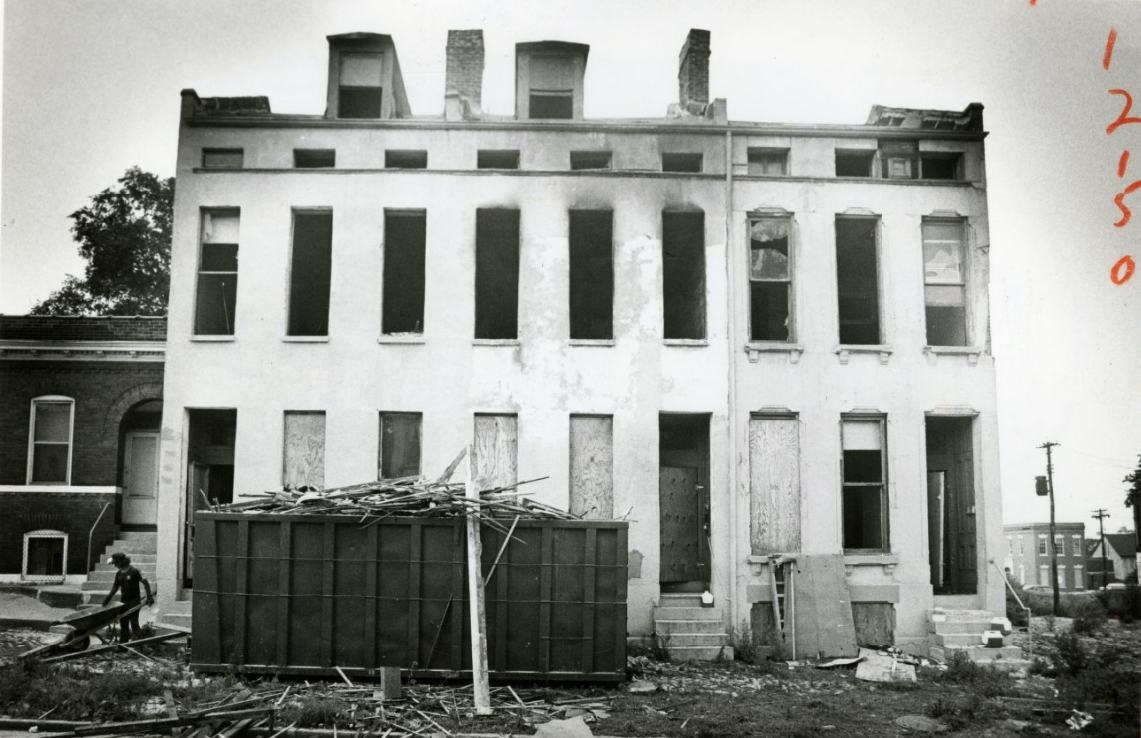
(217, 274)
(944, 283)
(770, 280)
(864, 503)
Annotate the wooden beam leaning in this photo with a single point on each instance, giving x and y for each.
(480, 686)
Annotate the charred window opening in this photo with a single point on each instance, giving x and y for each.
(552, 87)
(941, 166)
(854, 162)
(591, 274)
(865, 484)
(683, 275)
(899, 159)
(770, 280)
(768, 162)
(497, 159)
(314, 158)
(590, 160)
(309, 276)
(858, 280)
(685, 163)
(402, 309)
(222, 158)
(496, 273)
(359, 89)
(399, 446)
(944, 283)
(217, 274)
(405, 159)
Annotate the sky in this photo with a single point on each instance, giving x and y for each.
(91, 88)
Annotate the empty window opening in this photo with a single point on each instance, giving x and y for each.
(592, 466)
(303, 453)
(944, 283)
(941, 166)
(689, 163)
(402, 310)
(209, 471)
(683, 275)
(899, 159)
(768, 162)
(217, 274)
(497, 159)
(590, 160)
(45, 557)
(49, 459)
(865, 484)
(359, 90)
(770, 280)
(496, 273)
(858, 280)
(222, 158)
(552, 87)
(495, 450)
(854, 162)
(309, 276)
(399, 446)
(314, 158)
(405, 159)
(591, 274)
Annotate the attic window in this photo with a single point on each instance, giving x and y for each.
(222, 158)
(314, 158)
(359, 89)
(899, 159)
(399, 159)
(854, 162)
(497, 159)
(552, 87)
(686, 163)
(940, 166)
(768, 162)
(590, 160)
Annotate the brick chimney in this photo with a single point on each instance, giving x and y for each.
(693, 70)
(463, 83)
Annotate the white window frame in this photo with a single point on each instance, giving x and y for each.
(1077, 543)
(51, 400)
(44, 578)
(1060, 543)
(1021, 546)
(1043, 550)
(1062, 576)
(883, 486)
(963, 283)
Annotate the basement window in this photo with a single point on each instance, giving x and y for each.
(684, 163)
(683, 275)
(310, 273)
(865, 485)
(50, 438)
(857, 280)
(768, 162)
(496, 273)
(405, 159)
(217, 274)
(551, 87)
(399, 446)
(941, 166)
(359, 90)
(314, 158)
(580, 160)
(770, 280)
(591, 274)
(222, 158)
(402, 309)
(497, 159)
(854, 162)
(45, 557)
(944, 283)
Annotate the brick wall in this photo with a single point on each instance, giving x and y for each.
(103, 393)
(64, 328)
(74, 514)
(465, 64)
(693, 71)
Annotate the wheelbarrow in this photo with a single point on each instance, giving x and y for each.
(78, 628)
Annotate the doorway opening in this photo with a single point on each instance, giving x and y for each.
(209, 473)
(139, 435)
(684, 506)
(952, 542)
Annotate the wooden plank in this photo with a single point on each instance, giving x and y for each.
(372, 538)
(241, 594)
(476, 602)
(874, 623)
(494, 453)
(304, 449)
(284, 572)
(589, 599)
(774, 485)
(327, 591)
(824, 624)
(592, 466)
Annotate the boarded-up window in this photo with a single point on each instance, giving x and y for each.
(770, 280)
(404, 236)
(865, 484)
(50, 453)
(944, 283)
(591, 274)
(774, 484)
(683, 275)
(857, 278)
(399, 446)
(494, 453)
(217, 274)
(304, 449)
(309, 277)
(496, 273)
(592, 466)
(359, 91)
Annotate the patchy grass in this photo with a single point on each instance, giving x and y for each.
(31, 689)
(313, 711)
(984, 680)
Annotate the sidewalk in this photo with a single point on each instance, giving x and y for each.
(38, 607)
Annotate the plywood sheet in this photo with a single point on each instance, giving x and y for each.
(592, 466)
(495, 450)
(304, 449)
(874, 623)
(824, 624)
(774, 485)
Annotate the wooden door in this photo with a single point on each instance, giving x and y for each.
(936, 520)
(681, 532)
(197, 490)
(966, 563)
(140, 478)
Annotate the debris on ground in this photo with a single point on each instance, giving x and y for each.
(879, 667)
(572, 728)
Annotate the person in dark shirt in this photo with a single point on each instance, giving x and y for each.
(127, 581)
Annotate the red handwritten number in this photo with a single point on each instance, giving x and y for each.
(1123, 270)
(1124, 117)
(1109, 48)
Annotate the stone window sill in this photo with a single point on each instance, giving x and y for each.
(592, 342)
(685, 342)
(495, 342)
(755, 348)
(887, 560)
(212, 339)
(971, 352)
(305, 339)
(402, 339)
(845, 351)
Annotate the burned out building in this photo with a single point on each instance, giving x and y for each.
(758, 341)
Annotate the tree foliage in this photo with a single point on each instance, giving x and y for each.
(1133, 493)
(124, 235)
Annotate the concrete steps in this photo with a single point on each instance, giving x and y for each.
(177, 615)
(952, 632)
(690, 632)
(141, 547)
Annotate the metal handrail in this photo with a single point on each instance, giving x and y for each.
(91, 533)
(1029, 624)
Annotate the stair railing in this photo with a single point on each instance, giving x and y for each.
(91, 533)
(1029, 624)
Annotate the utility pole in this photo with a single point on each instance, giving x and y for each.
(1053, 543)
(1100, 515)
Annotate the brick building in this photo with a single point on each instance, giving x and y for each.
(1028, 554)
(80, 413)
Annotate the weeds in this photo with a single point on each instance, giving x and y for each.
(958, 712)
(31, 689)
(984, 680)
(313, 711)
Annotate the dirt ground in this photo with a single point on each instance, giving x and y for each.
(709, 699)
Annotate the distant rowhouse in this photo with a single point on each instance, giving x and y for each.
(1028, 554)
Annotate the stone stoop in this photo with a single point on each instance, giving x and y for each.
(690, 632)
(142, 547)
(176, 616)
(951, 631)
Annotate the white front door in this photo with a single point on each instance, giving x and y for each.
(140, 478)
